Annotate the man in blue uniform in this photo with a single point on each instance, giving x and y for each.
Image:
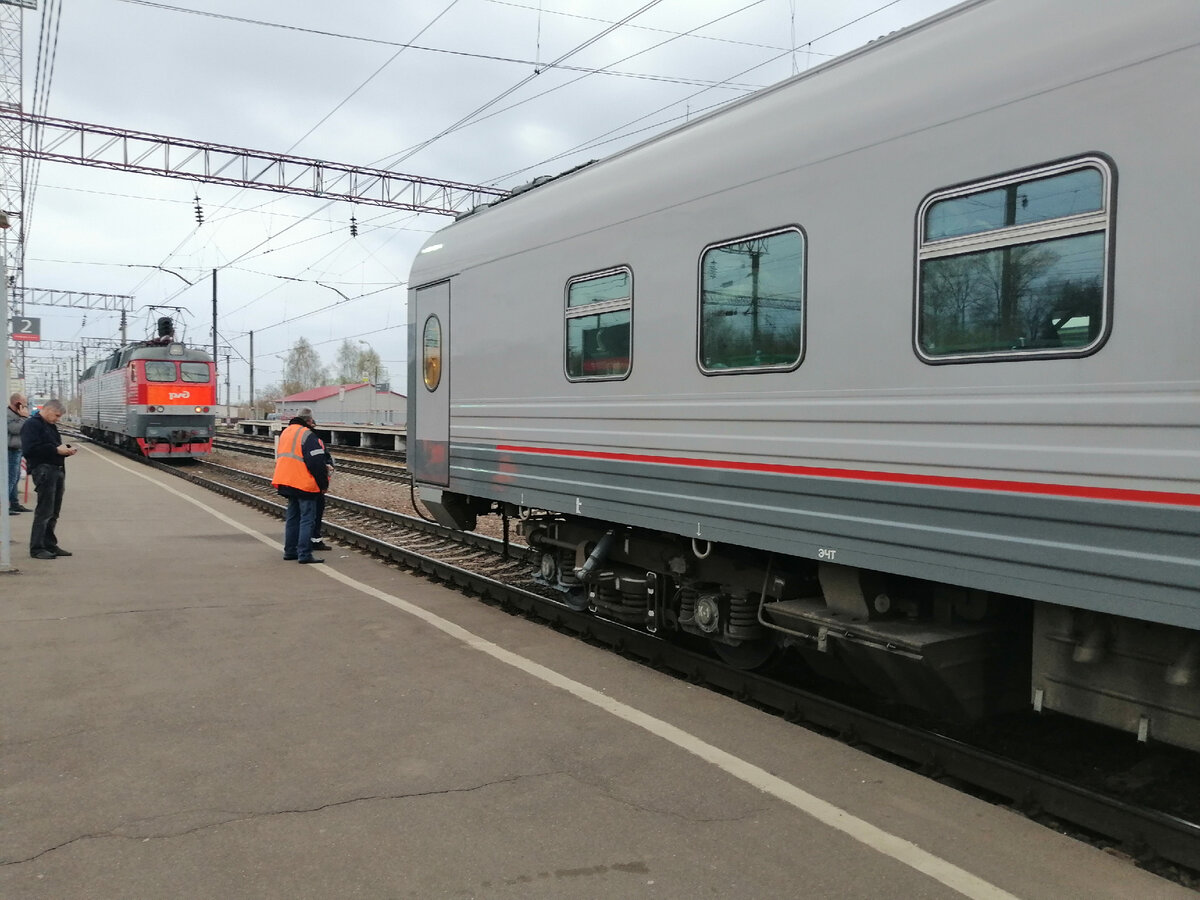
(301, 477)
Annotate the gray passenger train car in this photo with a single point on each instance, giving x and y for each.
(895, 364)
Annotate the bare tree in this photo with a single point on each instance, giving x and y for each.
(358, 364)
(1009, 278)
(303, 370)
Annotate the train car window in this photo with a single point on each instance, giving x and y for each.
(752, 304)
(431, 353)
(194, 372)
(1016, 267)
(160, 370)
(599, 321)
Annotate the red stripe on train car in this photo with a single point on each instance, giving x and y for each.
(977, 484)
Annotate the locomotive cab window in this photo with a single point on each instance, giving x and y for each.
(160, 370)
(1016, 267)
(752, 304)
(194, 372)
(599, 316)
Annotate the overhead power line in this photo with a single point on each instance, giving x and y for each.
(399, 158)
(403, 45)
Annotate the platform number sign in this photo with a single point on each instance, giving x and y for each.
(26, 329)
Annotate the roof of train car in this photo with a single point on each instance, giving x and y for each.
(146, 350)
(163, 351)
(978, 55)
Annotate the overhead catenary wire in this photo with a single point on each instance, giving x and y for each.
(608, 136)
(406, 154)
(620, 132)
(578, 48)
(573, 81)
(411, 45)
(324, 119)
(47, 54)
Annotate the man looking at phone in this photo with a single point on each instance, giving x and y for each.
(45, 456)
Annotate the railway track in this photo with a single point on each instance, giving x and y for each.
(346, 463)
(501, 573)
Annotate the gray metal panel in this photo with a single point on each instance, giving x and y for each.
(111, 407)
(849, 152)
(1095, 554)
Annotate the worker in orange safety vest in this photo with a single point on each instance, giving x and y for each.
(301, 477)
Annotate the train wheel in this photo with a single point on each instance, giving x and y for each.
(746, 655)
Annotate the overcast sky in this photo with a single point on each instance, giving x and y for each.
(333, 81)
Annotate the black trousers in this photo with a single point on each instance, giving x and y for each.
(50, 483)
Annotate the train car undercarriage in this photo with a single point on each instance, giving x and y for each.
(958, 654)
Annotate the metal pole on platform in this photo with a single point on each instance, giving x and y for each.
(252, 415)
(5, 392)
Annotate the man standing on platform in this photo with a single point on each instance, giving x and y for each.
(301, 477)
(45, 456)
(317, 543)
(17, 413)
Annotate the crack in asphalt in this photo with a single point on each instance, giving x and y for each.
(147, 609)
(233, 817)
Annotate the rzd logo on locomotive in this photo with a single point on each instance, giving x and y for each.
(179, 395)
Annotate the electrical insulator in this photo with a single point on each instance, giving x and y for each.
(353, 227)
(199, 212)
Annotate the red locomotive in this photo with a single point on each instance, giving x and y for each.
(154, 397)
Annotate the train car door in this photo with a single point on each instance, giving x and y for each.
(429, 453)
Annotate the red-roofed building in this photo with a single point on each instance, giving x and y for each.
(347, 404)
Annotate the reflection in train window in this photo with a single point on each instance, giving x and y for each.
(599, 320)
(431, 353)
(752, 304)
(1016, 267)
(194, 372)
(160, 370)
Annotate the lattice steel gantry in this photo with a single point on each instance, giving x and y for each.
(12, 182)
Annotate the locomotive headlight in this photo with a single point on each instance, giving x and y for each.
(199, 409)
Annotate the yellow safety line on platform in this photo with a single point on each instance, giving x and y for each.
(884, 842)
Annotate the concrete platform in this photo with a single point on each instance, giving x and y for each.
(185, 715)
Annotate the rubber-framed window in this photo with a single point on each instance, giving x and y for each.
(752, 305)
(599, 325)
(159, 370)
(194, 372)
(431, 353)
(1016, 267)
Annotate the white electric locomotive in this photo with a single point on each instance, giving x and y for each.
(894, 363)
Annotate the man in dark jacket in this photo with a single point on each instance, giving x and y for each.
(45, 454)
(16, 414)
(300, 475)
(317, 543)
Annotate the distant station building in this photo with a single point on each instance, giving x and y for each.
(348, 404)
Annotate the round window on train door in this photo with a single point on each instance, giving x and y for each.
(431, 350)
